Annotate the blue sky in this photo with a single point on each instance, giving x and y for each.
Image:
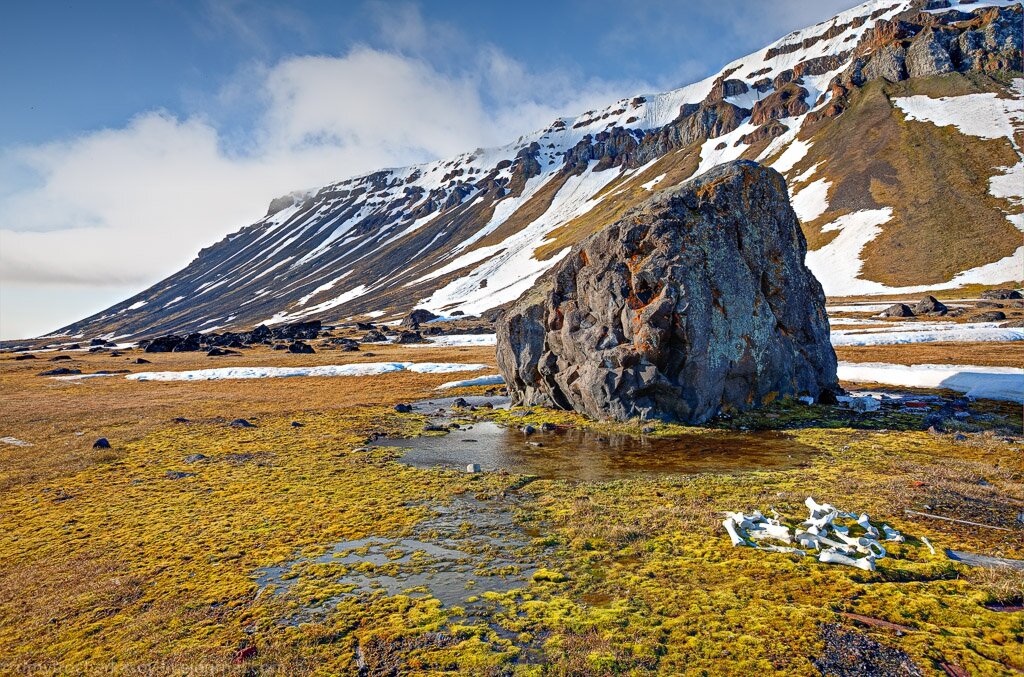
(134, 133)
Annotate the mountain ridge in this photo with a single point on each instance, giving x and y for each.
(472, 232)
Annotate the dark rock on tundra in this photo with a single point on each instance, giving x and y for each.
(991, 316)
(410, 337)
(418, 317)
(300, 347)
(897, 310)
(374, 336)
(695, 303)
(929, 305)
(61, 371)
(1001, 294)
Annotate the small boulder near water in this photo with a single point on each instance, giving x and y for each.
(692, 304)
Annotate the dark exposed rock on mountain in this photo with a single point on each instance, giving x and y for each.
(695, 303)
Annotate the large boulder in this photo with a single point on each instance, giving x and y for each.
(695, 303)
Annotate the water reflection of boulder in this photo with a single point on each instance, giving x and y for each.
(582, 454)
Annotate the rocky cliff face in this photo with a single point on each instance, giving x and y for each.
(694, 303)
(827, 106)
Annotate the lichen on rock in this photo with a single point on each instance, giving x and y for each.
(692, 304)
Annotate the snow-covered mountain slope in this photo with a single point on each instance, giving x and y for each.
(898, 125)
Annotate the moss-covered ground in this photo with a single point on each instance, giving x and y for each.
(109, 564)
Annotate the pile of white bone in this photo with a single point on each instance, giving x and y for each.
(820, 531)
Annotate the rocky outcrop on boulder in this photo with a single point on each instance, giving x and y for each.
(695, 303)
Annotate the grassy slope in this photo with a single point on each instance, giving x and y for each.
(106, 563)
(934, 178)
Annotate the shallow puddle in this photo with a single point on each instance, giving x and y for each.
(577, 454)
(460, 552)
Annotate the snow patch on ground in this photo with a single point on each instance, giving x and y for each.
(653, 182)
(509, 268)
(986, 116)
(492, 380)
(793, 154)
(357, 369)
(14, 441)
(996, 383)
(812, 201)
(837, 265)
(903, 333)
(458, 340)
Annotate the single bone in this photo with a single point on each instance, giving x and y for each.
(782, 548)
(866, 523)
(832, 557)
(892, 535)
(769, 530)
(730, 526)
(924, 539)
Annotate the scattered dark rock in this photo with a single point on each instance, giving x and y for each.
(300, 347)
(180, 419)
(60, 358)
(195, 458)
(297, 424)
(403, 408)
(178, 475)
(989, 304)
(1001, 294)
(98, 342)
(547, 427)
(528, 429)
(142, 360)
(853, 654)
(221, 352)
(364, 326)
(897, 310)
(62, 371)
(280, 346)
(407, 337)
(101, 443)
(434, 428)
(929, 305)
(374, 336)
(25, 356)
(695, 302)
(241, 423)
(460, 402)
(418, 317)
(991, 316)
